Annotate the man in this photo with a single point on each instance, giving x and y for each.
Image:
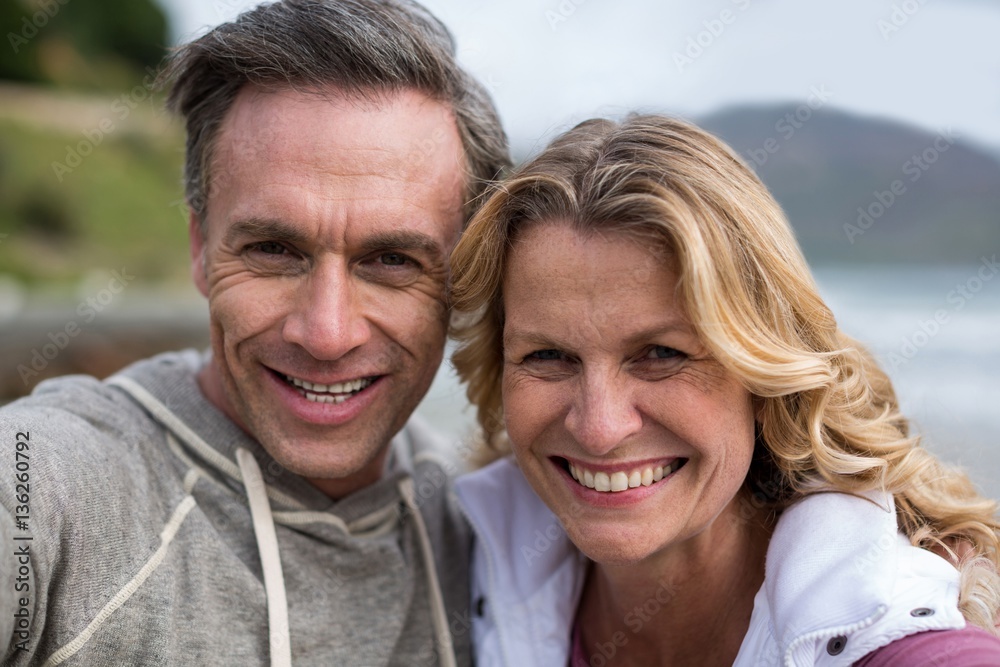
(270, 501)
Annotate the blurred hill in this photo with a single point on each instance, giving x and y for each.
(98, 45)
(89, 183)
(89, 163)
(924, 196)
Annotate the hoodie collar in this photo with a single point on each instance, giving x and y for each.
(170, 379)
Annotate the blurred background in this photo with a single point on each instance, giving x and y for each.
(876, 123)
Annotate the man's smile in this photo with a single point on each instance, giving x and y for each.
(330, 393)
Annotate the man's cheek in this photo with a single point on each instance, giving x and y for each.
(248, 309)
(424, 330)
(428, 304)
(413, 313)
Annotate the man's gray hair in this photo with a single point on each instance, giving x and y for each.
(364, 47)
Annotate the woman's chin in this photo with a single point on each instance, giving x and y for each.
(620, 549)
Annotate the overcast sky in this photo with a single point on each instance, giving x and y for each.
(549, 63)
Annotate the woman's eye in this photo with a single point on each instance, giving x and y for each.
(546, 355)
(663, 352)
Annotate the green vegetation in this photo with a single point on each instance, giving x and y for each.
(86, 182)
(96, 45)
(121, 205)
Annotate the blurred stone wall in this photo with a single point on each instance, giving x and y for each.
(40, 341)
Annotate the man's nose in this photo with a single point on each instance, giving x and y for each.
(328, 319)
(603, 413)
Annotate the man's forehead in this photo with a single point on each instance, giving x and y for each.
(397, 154)
(370, 121)
(400, 134)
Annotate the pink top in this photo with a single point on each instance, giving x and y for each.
(968, 647)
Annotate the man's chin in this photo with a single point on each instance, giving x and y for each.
(320, 460)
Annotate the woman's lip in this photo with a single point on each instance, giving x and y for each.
(617, 466)
(613, 499)
(618, 480)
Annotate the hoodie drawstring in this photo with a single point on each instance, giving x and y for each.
(270, 559)
(274, 581)
(442, 636)
(267, 540)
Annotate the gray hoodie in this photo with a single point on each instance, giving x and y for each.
(131, 540)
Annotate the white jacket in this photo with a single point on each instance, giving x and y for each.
(840, 581)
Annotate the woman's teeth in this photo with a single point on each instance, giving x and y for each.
(329, 393)
(621, 481)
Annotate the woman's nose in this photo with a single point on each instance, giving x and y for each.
(604, 412)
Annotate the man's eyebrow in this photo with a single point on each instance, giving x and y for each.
(265, 228)
(396, 239)
(404, 239)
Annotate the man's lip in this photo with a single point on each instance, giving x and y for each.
(319, 378)
(295, 400)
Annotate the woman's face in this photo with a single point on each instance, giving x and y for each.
(606, 387)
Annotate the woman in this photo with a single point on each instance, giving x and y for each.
(726, 477)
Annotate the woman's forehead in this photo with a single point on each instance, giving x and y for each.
(558, 278)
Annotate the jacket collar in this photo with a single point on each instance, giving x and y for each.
(838, 567)
(531, 573)
(835, 566)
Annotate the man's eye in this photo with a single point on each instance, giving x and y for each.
(393, 259)
(269, 248)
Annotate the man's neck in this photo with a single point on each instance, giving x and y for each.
(336, 489)
(211, 386)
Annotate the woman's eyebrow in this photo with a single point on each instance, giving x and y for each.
(673, 326)
(523, 335)
(511, 334)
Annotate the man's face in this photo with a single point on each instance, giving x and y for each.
(325, 261)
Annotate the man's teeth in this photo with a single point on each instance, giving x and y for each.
(329, 393)
(620, 481)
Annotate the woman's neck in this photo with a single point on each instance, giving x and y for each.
(689, 604)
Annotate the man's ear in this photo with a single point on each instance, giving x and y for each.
(196, 239)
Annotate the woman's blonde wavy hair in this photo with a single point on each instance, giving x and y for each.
(828, 418)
